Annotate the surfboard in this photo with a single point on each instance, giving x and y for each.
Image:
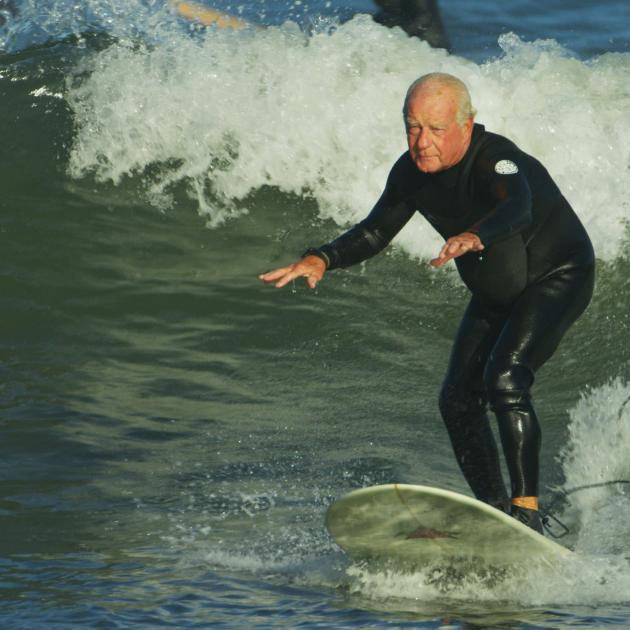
(207, 16)
(414, 526)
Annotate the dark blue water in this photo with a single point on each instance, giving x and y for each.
(172, 431)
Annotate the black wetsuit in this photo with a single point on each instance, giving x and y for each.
(418, 18)
(531, 282)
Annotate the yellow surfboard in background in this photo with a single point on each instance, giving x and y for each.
(207, 16)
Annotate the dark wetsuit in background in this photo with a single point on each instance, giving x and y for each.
(531, 282)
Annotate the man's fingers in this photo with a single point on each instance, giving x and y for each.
(442, 260)
(285, 275)
(292, 275)
(448, 252)
(313, 272)
(272, 276)
(453, 248)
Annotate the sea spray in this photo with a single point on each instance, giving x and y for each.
(596, 454)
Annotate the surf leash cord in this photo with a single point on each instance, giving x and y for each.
(547, 516)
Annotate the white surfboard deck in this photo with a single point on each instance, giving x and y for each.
(419, 525)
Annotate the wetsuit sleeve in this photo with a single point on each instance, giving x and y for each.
(509, 197)
(367, 238)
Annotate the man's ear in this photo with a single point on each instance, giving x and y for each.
(468, 125)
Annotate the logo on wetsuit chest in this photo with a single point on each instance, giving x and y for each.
(505, 167)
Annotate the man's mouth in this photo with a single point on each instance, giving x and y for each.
(420, 156)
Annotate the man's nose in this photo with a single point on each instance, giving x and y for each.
(424, 140)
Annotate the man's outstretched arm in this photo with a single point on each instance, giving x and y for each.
(362, 241)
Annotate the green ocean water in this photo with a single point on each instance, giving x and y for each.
(173, 431)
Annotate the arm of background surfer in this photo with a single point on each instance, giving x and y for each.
(507, 186)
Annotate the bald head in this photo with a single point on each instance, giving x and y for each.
(441, 84)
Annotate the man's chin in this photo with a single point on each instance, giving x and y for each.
(428, 165)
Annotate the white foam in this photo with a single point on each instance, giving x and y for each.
(232, 112)
(576, 580)
(44, 91)
(597, 452)
(37, 22)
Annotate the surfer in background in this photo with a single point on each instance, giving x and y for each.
(520, 249)
(418, 18)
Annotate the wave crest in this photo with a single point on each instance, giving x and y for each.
(228, 113)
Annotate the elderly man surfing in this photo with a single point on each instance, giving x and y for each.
(519, 248)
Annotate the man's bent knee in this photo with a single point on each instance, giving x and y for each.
(507, 384)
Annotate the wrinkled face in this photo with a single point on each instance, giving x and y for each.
(436, 142)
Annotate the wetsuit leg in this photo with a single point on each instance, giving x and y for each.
(530, 335)
(463, 407)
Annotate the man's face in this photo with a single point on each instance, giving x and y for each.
(436, 142)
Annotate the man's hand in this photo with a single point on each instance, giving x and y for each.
(458, 246)
(310, 267)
